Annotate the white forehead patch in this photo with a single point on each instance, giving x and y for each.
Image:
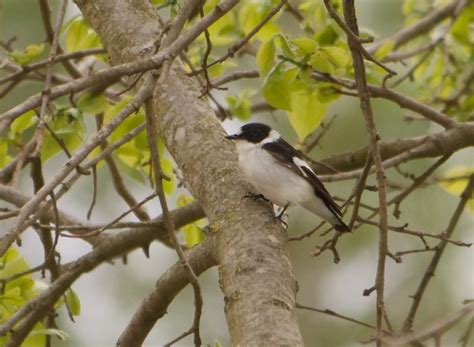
(272, 137)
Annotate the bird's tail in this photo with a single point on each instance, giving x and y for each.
(328, 214)
(342, 227)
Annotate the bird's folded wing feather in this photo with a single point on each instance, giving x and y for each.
(287, 156)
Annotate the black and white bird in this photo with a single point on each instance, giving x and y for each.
(276, 170)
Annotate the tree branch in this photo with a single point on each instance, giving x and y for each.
(155, 304)
(419, 28)
(107, 248)
(71, 164)
(255, 272)
(465, 196)
(365, 105)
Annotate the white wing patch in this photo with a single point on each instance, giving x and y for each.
(301, 163)
(274, 136)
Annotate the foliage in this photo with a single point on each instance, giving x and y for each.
(17, 292)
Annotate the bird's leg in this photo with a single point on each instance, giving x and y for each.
(280, 215)
(255, 197)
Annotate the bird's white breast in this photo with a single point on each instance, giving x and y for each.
(270, 178)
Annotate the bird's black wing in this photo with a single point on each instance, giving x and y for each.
(287, 156)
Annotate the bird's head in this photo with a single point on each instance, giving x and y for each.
(255, 133)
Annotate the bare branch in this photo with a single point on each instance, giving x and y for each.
(434, 145)
(420, 27)
(111, 74)
(434, 331)
(155, 304)
(20, 225)
(26, 69)
(107, 248)
(465, 196)
(365, 105)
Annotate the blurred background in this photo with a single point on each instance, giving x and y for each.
(110, 294)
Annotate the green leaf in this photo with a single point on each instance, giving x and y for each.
(80, 36)
(92, 103)
(456, 179)
(240, 104)
(307, 112)
(251, 13)
(23, 122)
(284, 46)
(193, 235)
(25, 57)
(327, 36)
(167, 168)
(265, 57)
(385, 49)
(68, 127)
(73, 302)
(192, 232)
(183, 200)
(4, 157)
(456, 182)
(461, 29)
(305, 45)
(12, 263)
(277, 87)
(338, 56)
(408, 7)
(320, 61)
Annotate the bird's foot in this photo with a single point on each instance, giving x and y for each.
(255, 197)
(281, 215)
(282, 212)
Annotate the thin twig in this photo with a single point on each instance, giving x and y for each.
(39, 134)
(242, 42)
(359, 189)
(416, 183)
(113, 222)
(435, 331)
(26, 69)
(465, 196)
(355, 39)
(404, 230)
(94, 192)
(20, 224)
(337, 315)
(363, 91)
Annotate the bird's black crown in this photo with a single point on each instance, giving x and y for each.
(252, 132)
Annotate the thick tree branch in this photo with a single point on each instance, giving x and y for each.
(255, 271)
(155, 305)
(435, 145)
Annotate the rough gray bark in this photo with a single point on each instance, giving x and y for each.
(255, 272)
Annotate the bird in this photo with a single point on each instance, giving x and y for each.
(278, 173)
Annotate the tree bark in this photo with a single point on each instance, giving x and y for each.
(254, 269)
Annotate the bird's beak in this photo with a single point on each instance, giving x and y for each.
(232, 137)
